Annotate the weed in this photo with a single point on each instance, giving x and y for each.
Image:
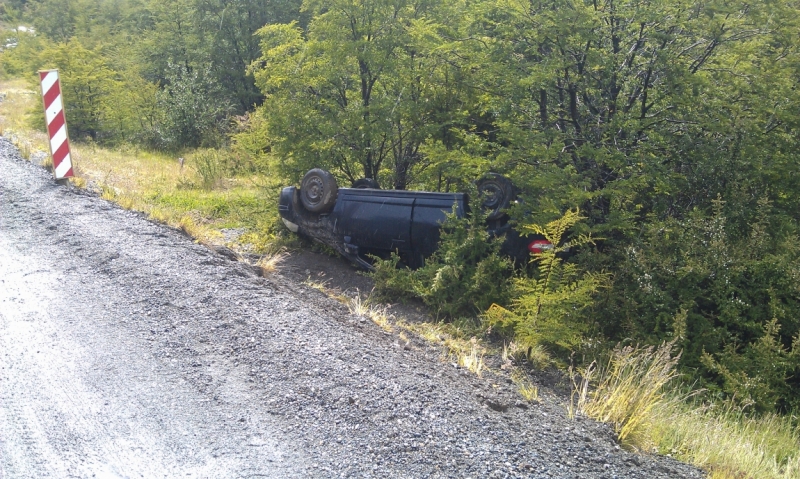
(191, 226)
(24, 148)
(628, 387)
(526, 388)
(47, 163)
(467, 353)
(472, 359)
(108, 193)
(318, 285)
(507, 356)
(377, 314)
(725, 442)
(270, 261)
(630, 392)
(358, 306)
(208, 165)
(78, 182)
(430, 332)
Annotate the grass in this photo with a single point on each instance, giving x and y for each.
(725, 442)
(525, 387)
(466, 353)
(460, 344)
(471, 356)
(186, 196)
(378, 314)
(18, 105)
(271, 260)
(635, 391)
(628, 387)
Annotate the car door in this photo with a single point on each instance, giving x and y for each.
(375, 219)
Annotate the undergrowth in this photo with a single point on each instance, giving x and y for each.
(637, 392)
(463, 277)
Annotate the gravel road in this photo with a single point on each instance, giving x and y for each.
(127, 350)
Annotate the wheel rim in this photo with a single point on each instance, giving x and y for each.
(314, 191)
(492, 194)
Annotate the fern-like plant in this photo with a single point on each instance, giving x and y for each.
(546, 307)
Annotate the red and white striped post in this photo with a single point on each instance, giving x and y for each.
(56, 124)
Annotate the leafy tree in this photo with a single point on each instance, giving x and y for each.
(169, 39)
(24, 58)
(358, 92)
(227, 30)
(85, 81)
(628, 109)
(194, 113)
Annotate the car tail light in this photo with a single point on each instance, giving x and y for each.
(539, 246)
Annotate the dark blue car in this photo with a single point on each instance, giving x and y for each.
(364, 220)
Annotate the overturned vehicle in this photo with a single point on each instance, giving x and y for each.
(364, 221)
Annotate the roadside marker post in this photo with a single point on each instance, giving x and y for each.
(56, 124)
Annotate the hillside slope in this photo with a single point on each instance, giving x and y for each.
(130, 351)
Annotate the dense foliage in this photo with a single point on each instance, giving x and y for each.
(672, 125)
(464, 277)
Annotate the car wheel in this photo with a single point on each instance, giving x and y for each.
(497, 192)
(366, 183)
(318, 191)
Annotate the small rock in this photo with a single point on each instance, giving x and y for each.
(496, 405)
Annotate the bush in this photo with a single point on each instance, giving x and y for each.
(462, 278)
(193, 110)
(728, 293)
(209, 166)
(547, 306)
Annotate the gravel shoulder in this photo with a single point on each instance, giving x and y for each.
(127, 350)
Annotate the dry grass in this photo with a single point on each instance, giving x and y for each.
(151, 182)
(465, 350)
(271, 261)
(528, 390)
(378, 314)
(320, 286)
(471, 356)
(632, 392)
(628, 388)
(467, 353)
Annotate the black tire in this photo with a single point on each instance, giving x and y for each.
(318, 191)
(497, 192)
(366, 183)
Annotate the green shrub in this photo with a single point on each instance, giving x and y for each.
(209, 166)
(729, 293)
(462, 278)
(547, 306)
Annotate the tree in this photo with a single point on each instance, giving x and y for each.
(194, 113)
(85, 81)
(228, 34)
(630, 109)
(358, 92)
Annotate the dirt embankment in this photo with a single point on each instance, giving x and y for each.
(126, 350)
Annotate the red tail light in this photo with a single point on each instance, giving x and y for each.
(540, 245)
